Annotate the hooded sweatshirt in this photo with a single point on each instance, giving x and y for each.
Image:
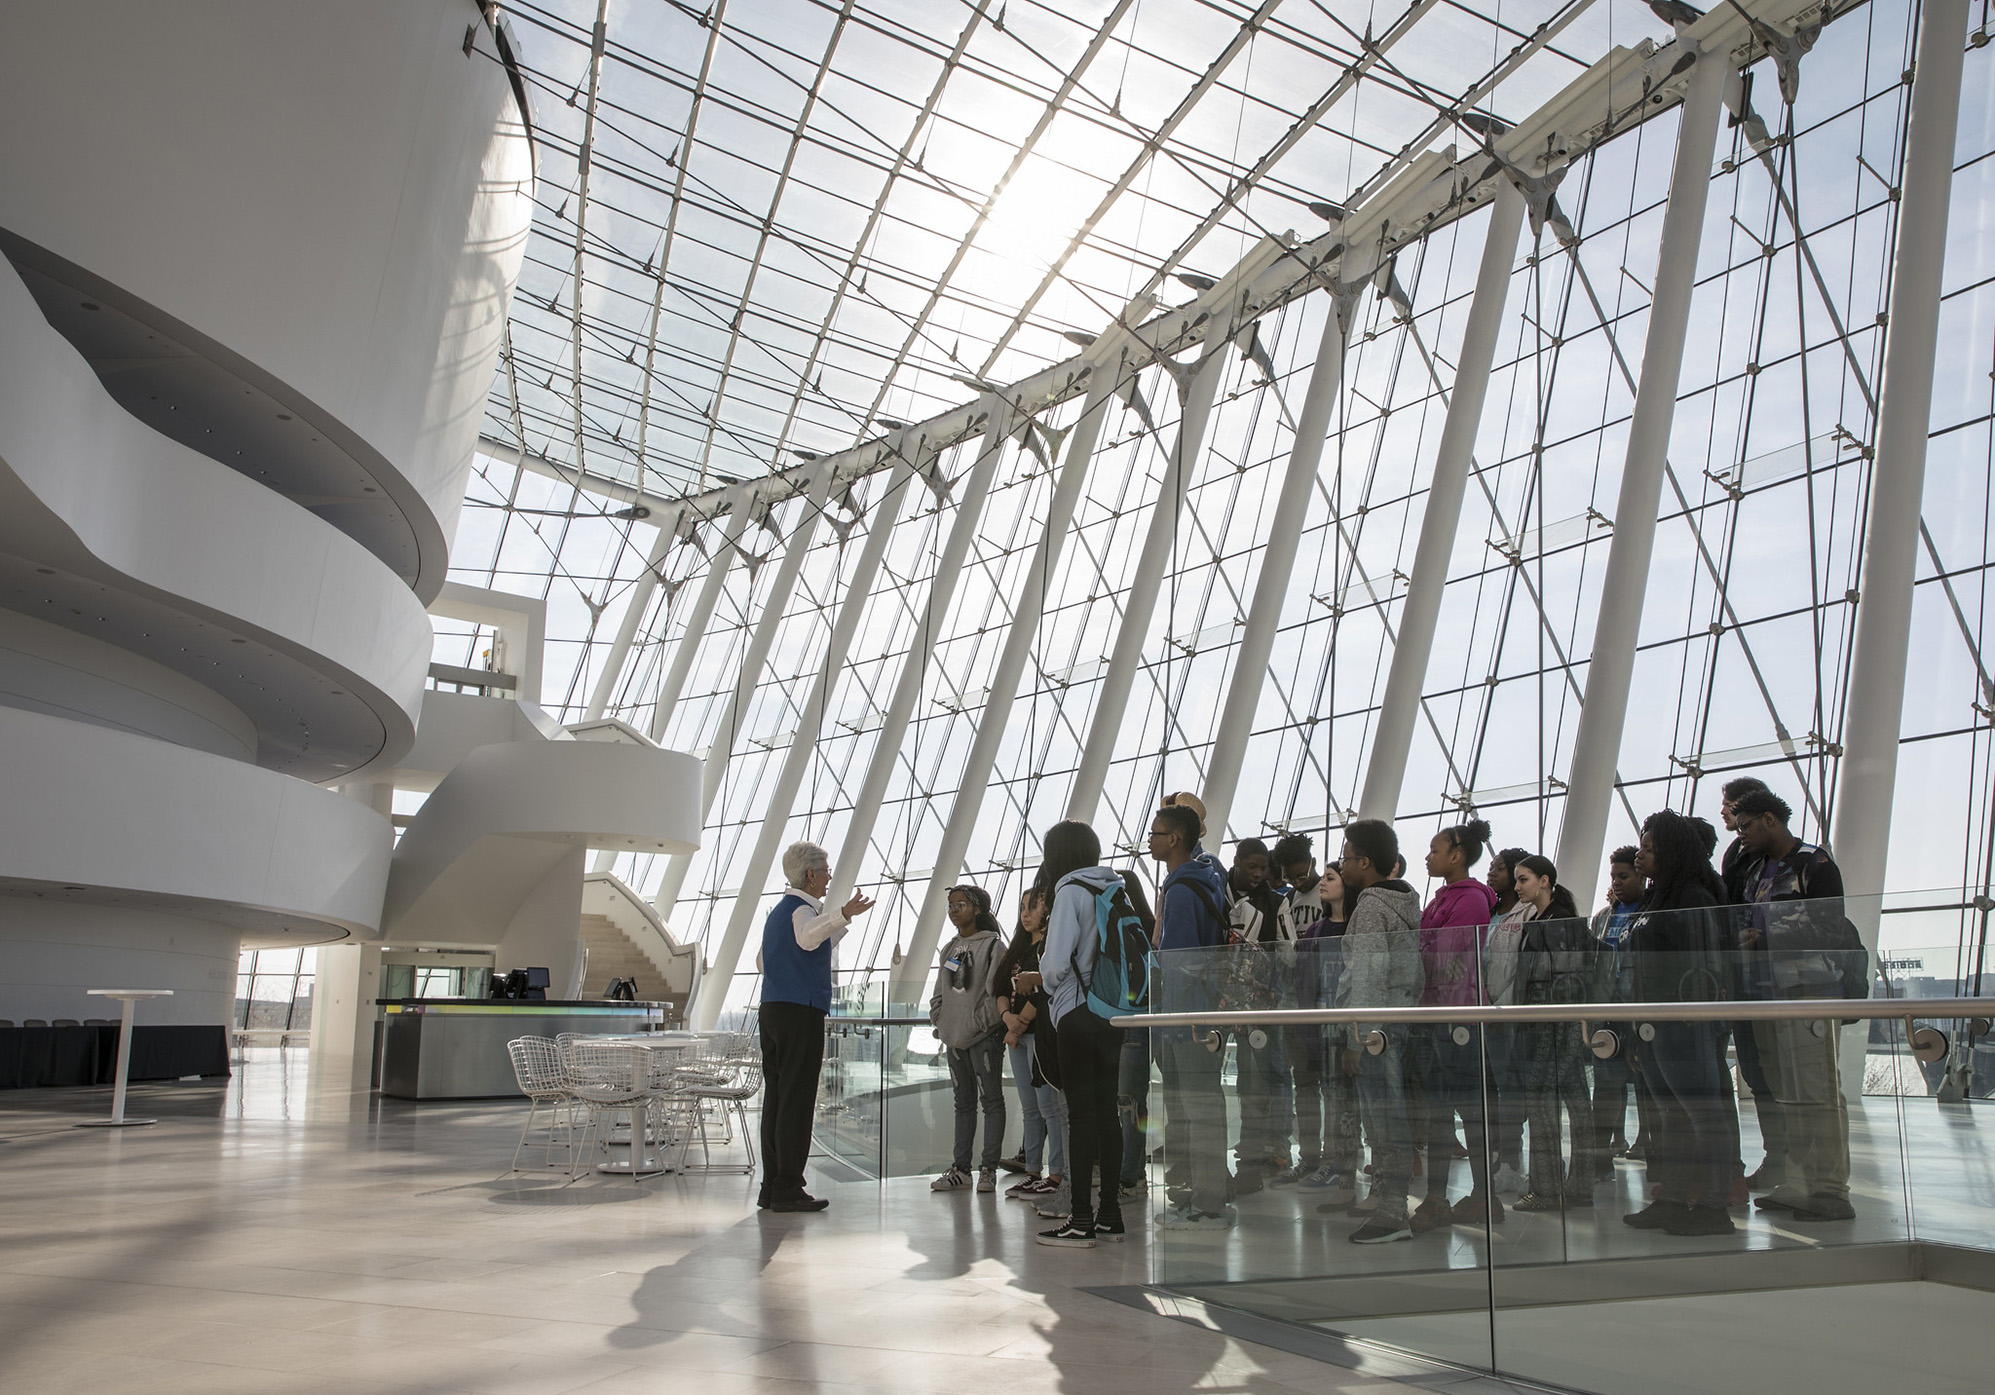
(1191, 930)
(1066, 960)
(1381, 952)
(1451, 942)
(964, 1009)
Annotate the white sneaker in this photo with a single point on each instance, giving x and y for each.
(1135, 1193)
(1507, 1179)
(987, 1180)
(1190, 1218)
(1059, 1205)
(954, 1180)
(1335, 1186)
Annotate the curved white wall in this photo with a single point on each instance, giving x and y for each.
(55, 951)
(338, 195)
(143, 823)
(46, 668)
(96, 498)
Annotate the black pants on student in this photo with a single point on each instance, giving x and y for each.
(792, 1060)
(1090, 1059)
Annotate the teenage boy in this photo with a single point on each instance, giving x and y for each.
(1190, 936)
(1795, 908)
(1612, 1077)
(1381, 970)
(1262, 1074)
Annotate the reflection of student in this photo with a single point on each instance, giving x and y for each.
(1554, 964)
(1381, 970)
(1794, 893)
(1613, 1077)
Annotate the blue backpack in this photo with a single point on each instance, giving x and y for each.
(1120, 984)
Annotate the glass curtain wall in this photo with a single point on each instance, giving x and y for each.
(1745, 643)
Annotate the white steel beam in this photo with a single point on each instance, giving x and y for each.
(681, 667)
(882, 515)
(633, 616)
(1271, 586)
(1868, 777)
(1597, 744)
(1399, 708)
(1145, 584)
(912, 971)
(720, 751)
(907, 688)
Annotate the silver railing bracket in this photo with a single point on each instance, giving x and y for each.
(1605, 1041)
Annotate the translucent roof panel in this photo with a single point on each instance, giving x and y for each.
(791, 220)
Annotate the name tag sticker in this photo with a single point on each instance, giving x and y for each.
(952, 965)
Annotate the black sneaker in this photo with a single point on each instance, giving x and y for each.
(1381, 1229)
(1699, 1220)
(1069, 1236)
(1109, 1230)
(799, 1203)
(1657, 1215)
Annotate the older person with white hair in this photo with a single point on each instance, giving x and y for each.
(797, 941)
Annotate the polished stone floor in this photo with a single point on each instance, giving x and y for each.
(264, 1238)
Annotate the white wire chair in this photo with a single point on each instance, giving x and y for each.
(605, 1079)
(729, 1094)
(537, 1068)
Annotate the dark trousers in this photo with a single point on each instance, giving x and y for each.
(1451, 1080)
(792, 1060)
(1090, 1059)
(1690, 1158)
(1133, 1103)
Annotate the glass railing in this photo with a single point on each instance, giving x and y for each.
(1674, 1165)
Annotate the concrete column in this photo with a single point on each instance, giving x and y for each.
(1868, 776)
(886, 755)
(681, 667)
(1271, 587)
(1399, 710)
(1597, 744)
(769, 843)
(912, 971)
(1145, 585)
(721, 750)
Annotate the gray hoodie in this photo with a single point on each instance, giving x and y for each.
(964, 1009)
(1382, 966)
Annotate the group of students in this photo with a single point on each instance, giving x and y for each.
(1271, 930)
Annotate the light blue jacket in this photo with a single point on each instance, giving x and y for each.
(1073, 938)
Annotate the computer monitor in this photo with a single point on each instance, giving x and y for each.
(537, 982)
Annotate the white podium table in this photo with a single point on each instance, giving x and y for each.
(130, 997)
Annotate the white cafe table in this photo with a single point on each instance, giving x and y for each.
(130, 997)
(639, 1165)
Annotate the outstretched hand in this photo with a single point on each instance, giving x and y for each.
(858, 905)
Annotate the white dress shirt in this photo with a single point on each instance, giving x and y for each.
(814, 923)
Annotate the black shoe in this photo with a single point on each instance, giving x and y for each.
(801, 1202)
(1699, 1220)
(1109, 1230)
(762, 1201)
(1656, 1215)
(1069, 1236)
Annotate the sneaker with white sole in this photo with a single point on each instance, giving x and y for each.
(1381, 1229)
(1109, 1230)
(1507, 1179)
(1191, 1218)
(1068, 1236)
(1018, 1191)
(1132, 1193)
(954, 1180)
(1288, 1176)
(1058, 1205)
(987, 1180)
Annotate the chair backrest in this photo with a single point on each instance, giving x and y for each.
(536, 1065)
(6, 1022)
(593, 1061)
(65, 1022)
(33, 1022)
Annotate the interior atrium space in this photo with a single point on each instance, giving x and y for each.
(687, 687)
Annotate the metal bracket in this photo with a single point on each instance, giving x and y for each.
(1605, 1042)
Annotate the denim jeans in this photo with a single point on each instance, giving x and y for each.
(1326, 1110)
(977, 1073)
(1195, 1118)
(1690, 1159)
(1132, 1101)
(1040, 1107)
(1382, 1102)
(1263, 1082)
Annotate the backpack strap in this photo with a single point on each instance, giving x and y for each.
(1219, 917)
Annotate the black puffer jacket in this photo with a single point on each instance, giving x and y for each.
(1679, 941)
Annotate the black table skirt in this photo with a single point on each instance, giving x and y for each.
(43, 1056)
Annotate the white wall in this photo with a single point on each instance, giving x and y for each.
(54, 950)
(338, 195)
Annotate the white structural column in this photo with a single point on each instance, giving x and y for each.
(1145, 585)
(721, 750)
(1399, 709)
(882, 514)
(633, 616)
(907, 688)
(1271, 587)
(912, 971)
(1869, 774)
(1597, 744)
(681, 668)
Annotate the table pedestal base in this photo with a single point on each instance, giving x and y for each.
(115, 1123)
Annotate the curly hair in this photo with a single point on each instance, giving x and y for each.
(1681, 854)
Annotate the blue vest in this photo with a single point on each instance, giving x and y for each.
(791, 974)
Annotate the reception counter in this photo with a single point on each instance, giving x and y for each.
(455, 1048)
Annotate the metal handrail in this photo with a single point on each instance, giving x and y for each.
(832, 1017)
(1743, 1010)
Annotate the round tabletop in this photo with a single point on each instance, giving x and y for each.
(129, 992)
